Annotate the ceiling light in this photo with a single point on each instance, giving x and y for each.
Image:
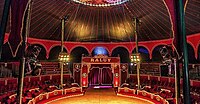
(100, 3)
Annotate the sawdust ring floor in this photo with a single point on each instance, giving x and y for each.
(100, 96)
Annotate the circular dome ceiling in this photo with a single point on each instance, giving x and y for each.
(106, 24)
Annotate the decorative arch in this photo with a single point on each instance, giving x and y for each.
(192, 39)
(156, 53)
(156, 45)
(42, 55)
(144, 55)
(120, 46)
(83, 46)
(191, 54)
(54, 53)
(76, 54)
(141, 45)
(195, 48)
(198, 58)
(123, 54)
(57, 45)
(192, 45)
(39, 43)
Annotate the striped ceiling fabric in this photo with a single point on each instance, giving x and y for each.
(107, 24)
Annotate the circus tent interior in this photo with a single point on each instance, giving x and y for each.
(100, 51)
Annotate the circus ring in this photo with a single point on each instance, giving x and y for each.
(98, 96)
(76, 92)
(99, 68)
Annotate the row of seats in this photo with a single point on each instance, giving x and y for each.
(165, 87)
(124, 90)
(41, 83)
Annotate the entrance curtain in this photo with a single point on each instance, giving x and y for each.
(106, 76)
(94, 76)
(100, 76)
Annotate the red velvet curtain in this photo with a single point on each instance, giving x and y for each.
(94, 76)
(100, 76)
(106, 76)
(18, 8)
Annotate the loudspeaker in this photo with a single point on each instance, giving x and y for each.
(164, 70)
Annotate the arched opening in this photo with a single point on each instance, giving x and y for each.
(6, 53)
(54, 53)
(191, 54)
(100, 50)
(76, 54)
(156, 56)
(198, 58)
(100, 75)
(42, 54)
(144, 53)
(123, 54)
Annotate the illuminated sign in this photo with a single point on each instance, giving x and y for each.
(101, 59)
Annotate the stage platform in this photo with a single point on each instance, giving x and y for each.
(100, 96)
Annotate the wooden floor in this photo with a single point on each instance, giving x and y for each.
(100, 96)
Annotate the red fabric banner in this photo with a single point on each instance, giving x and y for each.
(18, 9)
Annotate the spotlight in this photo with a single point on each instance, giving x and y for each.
(135, 58)
(63, 57)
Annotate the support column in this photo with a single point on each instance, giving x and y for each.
(62, 47)
(23, 51)
(180, 39)
(138, 63)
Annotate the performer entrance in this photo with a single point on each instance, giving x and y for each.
(100, 70)
(100, 75)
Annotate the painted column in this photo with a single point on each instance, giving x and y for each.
(116, 77)
(181, 41)
(84, 76)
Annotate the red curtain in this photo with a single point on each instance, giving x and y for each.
(17, 23)
(106, 76)
(94, 76)
(100, 75)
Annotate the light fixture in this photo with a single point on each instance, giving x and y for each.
(100, 3)
(64, 57)
(135, 58)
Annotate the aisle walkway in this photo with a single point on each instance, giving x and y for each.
(100, 96)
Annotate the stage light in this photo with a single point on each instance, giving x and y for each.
(63, 57)
(131, 64)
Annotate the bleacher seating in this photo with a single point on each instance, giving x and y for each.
(33, 86)
(50, 67)
(162, 86)
(165, 87)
